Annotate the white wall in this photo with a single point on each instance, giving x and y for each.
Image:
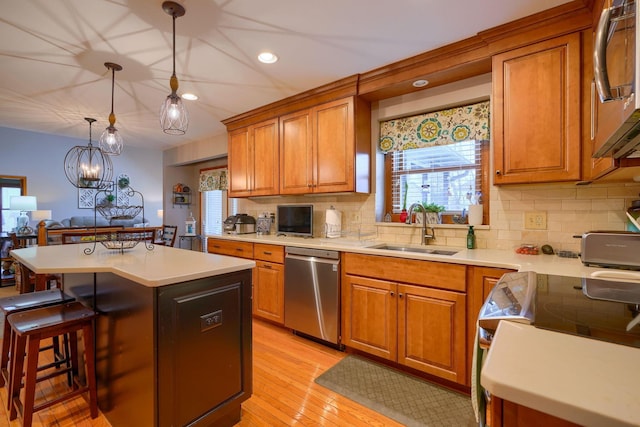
(40, 157)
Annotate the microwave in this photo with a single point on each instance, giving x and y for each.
(616, 125)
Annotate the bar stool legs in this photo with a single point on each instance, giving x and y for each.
(29, 329)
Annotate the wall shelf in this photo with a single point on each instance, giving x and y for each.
(181, 198)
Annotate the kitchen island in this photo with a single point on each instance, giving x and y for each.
(173, 339)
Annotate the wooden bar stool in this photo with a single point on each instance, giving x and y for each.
(18, 303)
(28, 329)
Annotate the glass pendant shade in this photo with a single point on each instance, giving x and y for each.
(174, 118)
(111, 141)
(87, 166)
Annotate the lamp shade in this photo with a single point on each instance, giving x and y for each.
(23, 203)
(40, 215)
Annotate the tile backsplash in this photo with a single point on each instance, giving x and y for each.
(571, 210)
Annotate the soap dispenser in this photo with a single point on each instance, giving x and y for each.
(471, 238)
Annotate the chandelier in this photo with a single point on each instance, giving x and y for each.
(111, 140)
(174, 118)
(87, 166)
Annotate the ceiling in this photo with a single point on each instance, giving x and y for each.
(53, 54)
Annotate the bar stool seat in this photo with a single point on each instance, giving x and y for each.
(18, 303)
(29, 328)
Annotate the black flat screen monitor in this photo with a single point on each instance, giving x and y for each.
(295, 220)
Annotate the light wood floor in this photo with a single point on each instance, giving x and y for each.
(284, 391)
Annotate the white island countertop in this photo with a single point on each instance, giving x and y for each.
(158, 267)
(586, 381)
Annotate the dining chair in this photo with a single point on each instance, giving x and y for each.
(168, 237)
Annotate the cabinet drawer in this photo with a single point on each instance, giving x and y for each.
(426, 273)
(229, 247)
(271, 253)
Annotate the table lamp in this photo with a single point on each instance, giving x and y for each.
(40, 215)
(23, 204)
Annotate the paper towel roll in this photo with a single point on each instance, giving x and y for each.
(333, 222)
(475, 214)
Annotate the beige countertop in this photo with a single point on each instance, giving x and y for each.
(158, 267)
(546, 264)
(586, 381)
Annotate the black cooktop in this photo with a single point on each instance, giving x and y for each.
(584, 307)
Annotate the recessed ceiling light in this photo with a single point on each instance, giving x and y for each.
(420, 83)
(189, 96)
(267, 57)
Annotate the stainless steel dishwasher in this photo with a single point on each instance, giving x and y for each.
(312, 293)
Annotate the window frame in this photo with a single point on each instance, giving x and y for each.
(447, 217)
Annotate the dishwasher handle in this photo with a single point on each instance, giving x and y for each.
(308, 259)
(311, 252)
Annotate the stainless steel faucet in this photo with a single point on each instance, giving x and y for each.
(425, 237)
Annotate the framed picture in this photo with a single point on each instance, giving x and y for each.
(86, 198)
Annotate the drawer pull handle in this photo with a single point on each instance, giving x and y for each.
(216, 246)
(239, 249)
(266, 253)
(267, 266)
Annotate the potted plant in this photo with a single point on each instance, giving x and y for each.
(433, 212)
(403, 213)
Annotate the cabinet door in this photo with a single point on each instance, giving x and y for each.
(268, 291)
(240, 160)
(369, 316)
(334, 147)
(266, 161)
(536, 112)
(296, 153)
(431, 331)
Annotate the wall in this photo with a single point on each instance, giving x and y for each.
(40, 157)
(182, 165)
(571, 209)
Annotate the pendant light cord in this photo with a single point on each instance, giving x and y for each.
(113, 82)
(174, 44)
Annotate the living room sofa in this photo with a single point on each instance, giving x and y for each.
(78, 223)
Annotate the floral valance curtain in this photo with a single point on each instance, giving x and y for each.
(438, 128)
(213, 179)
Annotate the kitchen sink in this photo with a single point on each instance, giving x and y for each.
(414, 249)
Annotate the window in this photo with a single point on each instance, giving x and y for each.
(438, 158)
(213, 204)
(447, 175)
(10, 186)
(213, 187)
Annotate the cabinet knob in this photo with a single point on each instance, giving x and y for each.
(392, 293)
(498, 172)
(400, 295)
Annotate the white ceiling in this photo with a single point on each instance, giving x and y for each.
(53, 54)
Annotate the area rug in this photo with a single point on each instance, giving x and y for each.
(399, 396)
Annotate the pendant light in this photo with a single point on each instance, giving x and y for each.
(87, 166)
(111, 140)
(174, 118)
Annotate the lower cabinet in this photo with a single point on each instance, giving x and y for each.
(268, 282)
(505, 413)
(418, 326)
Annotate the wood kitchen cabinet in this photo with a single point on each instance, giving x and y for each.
(422, 327)
(326, 148)
(230, 247)
(537, 112)
(268, 282)
(506, 413)
(254, 160)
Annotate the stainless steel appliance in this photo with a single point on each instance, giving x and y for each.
(312, 293)
(611, 249)
(616, 123)
(239, 224)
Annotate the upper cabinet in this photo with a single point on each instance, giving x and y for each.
(253, 160)
(536, 112)
(326, 148)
